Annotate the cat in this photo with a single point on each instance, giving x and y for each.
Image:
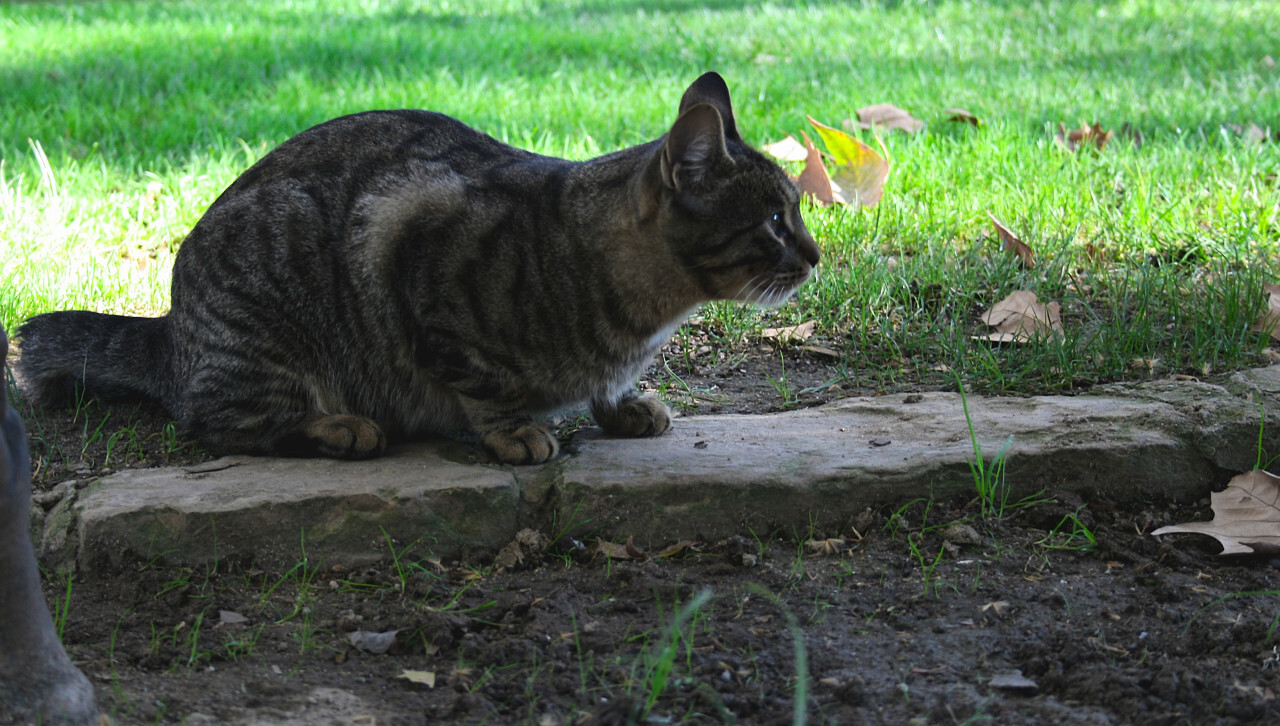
(392, 273)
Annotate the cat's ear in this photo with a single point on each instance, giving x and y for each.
(694, 145)
(711, 89)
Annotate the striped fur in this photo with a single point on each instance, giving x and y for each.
(397, 272)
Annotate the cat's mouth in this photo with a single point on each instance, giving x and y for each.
(771, 289)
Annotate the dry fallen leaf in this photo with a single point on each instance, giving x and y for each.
(1014, 681)
(820, 351)
(1088, 134)
(959, 115)
(860, 171)
(681, 546)
(789, 334)
(1269, 321)
(813, 179)
(371, 642)
(1246, 515)
(887, 115)
(1098, 644)
(426, 678)
(1251, 134)
(996, 607)
(1146, 365)
(1010, 243)
(787, 149)
(825, 547)
(1132, 133)
(615, 551)
(1020, 318)
(1096, 253)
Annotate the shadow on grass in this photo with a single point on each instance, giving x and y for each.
(133, 98)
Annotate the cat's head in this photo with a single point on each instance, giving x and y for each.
(731, 215)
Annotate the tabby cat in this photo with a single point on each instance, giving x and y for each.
(397, 272)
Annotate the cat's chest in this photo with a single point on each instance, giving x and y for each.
(605, 372)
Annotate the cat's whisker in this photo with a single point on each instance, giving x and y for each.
(773, 296)
(777, 292)
(750, 289)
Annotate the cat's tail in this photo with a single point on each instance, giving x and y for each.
(110, 357)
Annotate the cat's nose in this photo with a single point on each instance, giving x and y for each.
(809, 249)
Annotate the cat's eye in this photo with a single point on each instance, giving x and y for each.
(778, 225)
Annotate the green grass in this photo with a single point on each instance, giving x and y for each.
(115, 137)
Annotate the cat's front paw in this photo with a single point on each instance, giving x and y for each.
(529, 444)
(345, 437)
(643, 416)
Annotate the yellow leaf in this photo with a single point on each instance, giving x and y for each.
(844, 149)
(860, 171)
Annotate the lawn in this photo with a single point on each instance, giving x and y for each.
(122, 121)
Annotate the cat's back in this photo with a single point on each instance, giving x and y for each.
(331, 188)
(351, 149)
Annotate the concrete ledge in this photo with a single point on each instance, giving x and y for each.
(271, 509)
(711, 476)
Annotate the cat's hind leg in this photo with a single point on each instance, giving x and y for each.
(632, 415)
(337, 436)
(261, 414)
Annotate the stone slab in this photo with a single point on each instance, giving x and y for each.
(709, 477)
(273, 510)
(716, 475)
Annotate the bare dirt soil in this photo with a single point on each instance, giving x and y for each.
(1065, 611)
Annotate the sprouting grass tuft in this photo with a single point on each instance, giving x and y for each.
(1071, 533)
(662, 660)
(989, 477)
(800, 653)
(62, 605)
